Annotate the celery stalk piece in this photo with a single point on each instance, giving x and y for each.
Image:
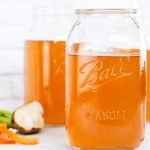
(5, 113)
(6, 120)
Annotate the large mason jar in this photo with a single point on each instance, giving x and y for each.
(105, 78)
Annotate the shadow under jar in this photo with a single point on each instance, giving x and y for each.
(105, 80)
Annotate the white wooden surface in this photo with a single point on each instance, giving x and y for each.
(54, 138)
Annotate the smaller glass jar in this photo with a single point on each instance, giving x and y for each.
(45, 59)
(105, 79)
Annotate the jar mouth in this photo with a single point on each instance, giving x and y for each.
(105, 11)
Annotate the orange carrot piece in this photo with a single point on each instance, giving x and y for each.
(21, 139)
(6, 141)
(17, 138)
(3, 126)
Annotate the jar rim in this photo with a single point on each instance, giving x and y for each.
(105, 11)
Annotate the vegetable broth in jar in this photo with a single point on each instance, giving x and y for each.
(105, 79)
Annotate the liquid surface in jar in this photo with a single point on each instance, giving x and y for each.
(44, 77)
(148, 85)
(105, 101)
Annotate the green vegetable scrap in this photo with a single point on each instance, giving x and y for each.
(5, 117)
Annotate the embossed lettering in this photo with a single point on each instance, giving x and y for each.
(106, 115)
(97, 74)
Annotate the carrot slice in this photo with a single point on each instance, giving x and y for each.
(21, 139)
(3, 126)
(17, 138)
(6, 141)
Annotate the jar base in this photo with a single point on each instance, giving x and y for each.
(54, 125)
(104, 148)
(113, 148)
(110, 148)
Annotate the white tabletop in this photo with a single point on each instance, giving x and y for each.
(54, 138)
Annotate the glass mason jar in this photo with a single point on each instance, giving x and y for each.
(45, 59)
(105, 80)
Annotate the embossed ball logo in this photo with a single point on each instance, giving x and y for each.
(98, 74)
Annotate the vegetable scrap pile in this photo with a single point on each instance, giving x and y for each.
(27, 119)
